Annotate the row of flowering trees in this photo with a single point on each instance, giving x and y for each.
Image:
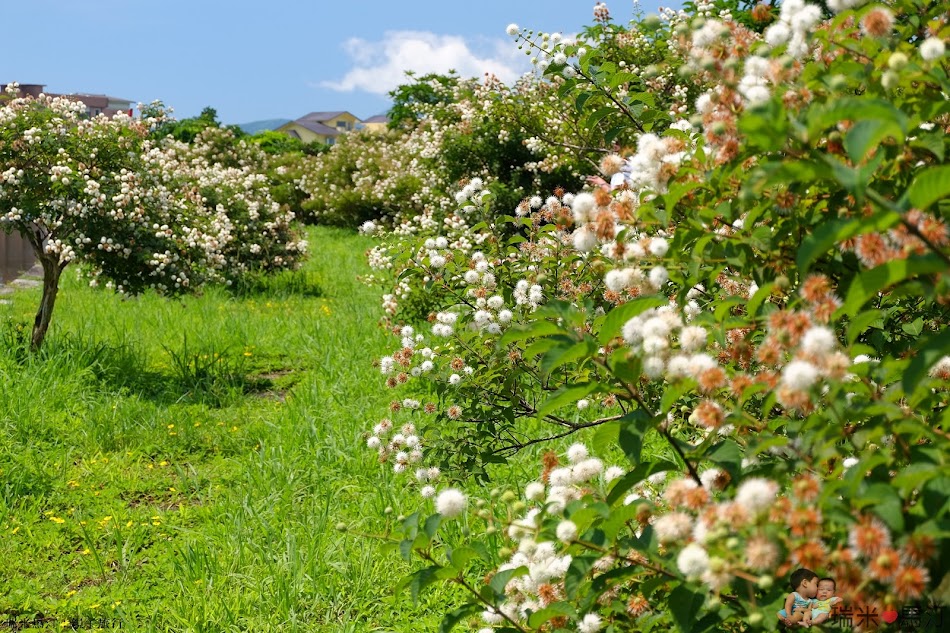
(445, 128)
(745, 315)
(143, 213)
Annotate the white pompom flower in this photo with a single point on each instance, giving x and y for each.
(566, 531)
(932, 48)
(451, 503)
(756, 494)
(693, 560)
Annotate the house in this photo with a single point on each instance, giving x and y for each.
(26, 90)
(377, 123)
(323, 127)
(95, 104)
(102, 104)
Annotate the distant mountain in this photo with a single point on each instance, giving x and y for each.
(259, 126)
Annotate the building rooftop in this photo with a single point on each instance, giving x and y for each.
(316, 127)
(322, 116)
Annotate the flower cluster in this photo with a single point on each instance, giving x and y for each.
(748, 303)
(143, 214)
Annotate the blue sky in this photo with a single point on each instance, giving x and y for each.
(271, 59)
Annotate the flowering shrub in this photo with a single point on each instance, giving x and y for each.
(144, 214)
(364, 176)
(254, 233)
(462, 129)
(750, 311)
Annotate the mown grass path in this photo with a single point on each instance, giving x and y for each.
(181, 465)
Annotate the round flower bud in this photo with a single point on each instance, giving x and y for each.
(897, 61)
(889, 80)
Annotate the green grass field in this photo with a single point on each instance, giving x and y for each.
(181, 465)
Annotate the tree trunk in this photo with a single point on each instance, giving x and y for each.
(51, 273)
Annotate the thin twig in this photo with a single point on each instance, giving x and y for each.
(514, 448)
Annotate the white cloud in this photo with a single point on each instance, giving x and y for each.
(378, 67)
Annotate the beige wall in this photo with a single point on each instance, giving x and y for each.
(16, 256)
(346, 117)
(305, 135)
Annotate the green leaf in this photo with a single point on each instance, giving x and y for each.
(936, 496)
(419, 580)
(462, 556)
(539, 347)
(635, 476)
(606, 436)
(451, 620)
(914, 328)
(725, 307)
(929, 186)
(581, 100)
(933, 143)
(868, 133)
(831, 232)
(928, 352)
(618, 317)
(869, 283)
(410, 524)
(536, 329)
(886, 504)
(577, 574)
(765, 126)
(855, 109)
(598, 115)
(562, 355)
(684, 605)
(847, 177)
(432, 525)
(647, 587)
(633, 426)
(785, 172)
(613, 133)
(617, 521)
(551, 611)
(763, 293)
(673, 392)
(914, 476)
(621, 78)
(854, 179)
(676, 192)
(728, 456)
(861, 322)
(567, 395)
(405, 548)
(501, 579)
